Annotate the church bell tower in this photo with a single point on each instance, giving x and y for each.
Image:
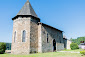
(25, 31)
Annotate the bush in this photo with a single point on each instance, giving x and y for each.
(2, 48)
(74, 46)
(82, 52)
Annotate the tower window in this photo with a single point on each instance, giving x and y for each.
(47, 37)
(14, 36)
(23, 36)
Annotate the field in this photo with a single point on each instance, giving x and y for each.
(51, 54)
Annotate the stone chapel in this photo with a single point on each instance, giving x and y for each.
(32, 36)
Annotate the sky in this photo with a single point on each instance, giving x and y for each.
(66, 15)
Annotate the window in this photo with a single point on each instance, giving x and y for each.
(60, 39)
(14, 36)
(47, 37)
(23, 36)
(44, 32)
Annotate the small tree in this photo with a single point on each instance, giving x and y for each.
(2, 48)
(74, 46)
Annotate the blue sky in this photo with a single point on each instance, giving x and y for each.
(66, 15)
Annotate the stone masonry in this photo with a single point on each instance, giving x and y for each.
(52, 34)
(19, 47)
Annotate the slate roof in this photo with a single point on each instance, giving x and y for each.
(27, 10)
(51, 27)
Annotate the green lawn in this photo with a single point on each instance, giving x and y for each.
(51, 54)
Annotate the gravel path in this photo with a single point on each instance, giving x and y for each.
(69, 51)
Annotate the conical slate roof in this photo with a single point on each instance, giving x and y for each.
(27, 10)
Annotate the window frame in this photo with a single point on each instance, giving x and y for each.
(15, 37)
(47, 38)
(24, 36)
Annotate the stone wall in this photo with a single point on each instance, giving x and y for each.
(19, 47)
(52, 34)
(65, 43)
(59, 46)
(34, 36)
(68, 44)
(8, 51)
(39, 38)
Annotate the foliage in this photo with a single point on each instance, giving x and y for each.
(82, 52)
(74, 46)
(2, 48)
(78, 40)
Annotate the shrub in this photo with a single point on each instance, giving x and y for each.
(74, 46)
(2, 48)
(82, 52)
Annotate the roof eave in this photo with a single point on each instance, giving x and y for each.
(25, 16)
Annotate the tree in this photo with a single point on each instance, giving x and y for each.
(78, 40)
(2, 48)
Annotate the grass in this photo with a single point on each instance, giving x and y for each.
(51, 54)
(77, 50)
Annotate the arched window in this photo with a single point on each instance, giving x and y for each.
(47, 37)
(14, 36)
(23, 36)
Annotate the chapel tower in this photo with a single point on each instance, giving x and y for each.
(25, 31)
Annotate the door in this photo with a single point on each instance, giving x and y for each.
(54, 45)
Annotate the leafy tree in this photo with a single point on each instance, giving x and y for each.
(2, 48)
(78, 40)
